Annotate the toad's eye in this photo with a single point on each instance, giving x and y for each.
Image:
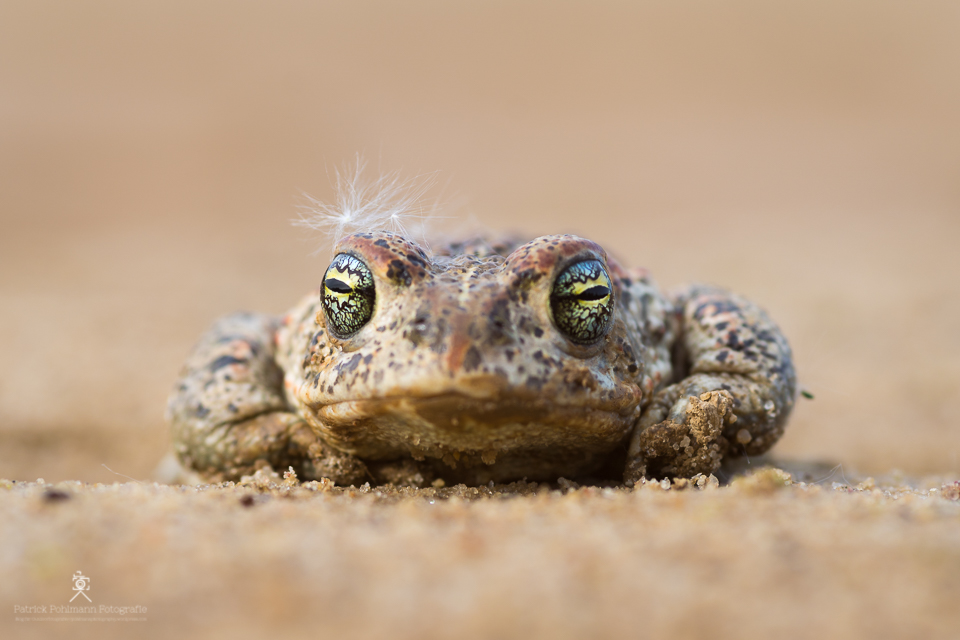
(348, 295)
(582, 301)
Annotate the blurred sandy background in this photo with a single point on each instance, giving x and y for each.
(151, 154)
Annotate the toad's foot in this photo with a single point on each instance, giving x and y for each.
(323, 461)
(685, 444)
(727, 347)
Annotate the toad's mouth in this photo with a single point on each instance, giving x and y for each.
(457, 407)
(379, 428)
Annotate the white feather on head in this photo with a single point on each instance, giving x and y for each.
(386, 203)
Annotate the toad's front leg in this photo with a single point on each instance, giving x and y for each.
(737, 389)
(228, 414)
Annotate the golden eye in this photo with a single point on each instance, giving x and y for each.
(348, 295)
(582, 301)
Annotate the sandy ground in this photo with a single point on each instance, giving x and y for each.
(151, 158)
(767, 556)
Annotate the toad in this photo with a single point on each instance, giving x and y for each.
(484, 361)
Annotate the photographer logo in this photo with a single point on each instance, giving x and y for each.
(81, 584)
(79, 611)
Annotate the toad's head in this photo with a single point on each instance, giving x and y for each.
(501, 360)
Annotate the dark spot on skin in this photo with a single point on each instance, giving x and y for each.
(472, 359)
(535, 383)
(416, 260)
(538, 332)
(715, 307)
(55, 495)
(526, 278)
(633, 368)
(578, 380)
(499, 322)
(382, 243)
(733, 340)
(225, 361)
(547, 360)
(316, 380)
(350, 365)
(247, 501)
(720, 326)
(201, 411)
(509, 354)
(722, 356)
(330, 389)
(398, 272)
(232, 408)
(367, 358)
(517, 295)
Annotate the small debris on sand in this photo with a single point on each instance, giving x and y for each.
(274, 555)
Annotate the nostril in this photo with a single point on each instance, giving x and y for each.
(418, 329)
(499, 323)
(499, 333)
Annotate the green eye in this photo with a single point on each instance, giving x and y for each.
(582, 301)
(348, 295)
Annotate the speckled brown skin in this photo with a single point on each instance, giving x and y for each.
(737, 381)
(462, 374)
(228, 414)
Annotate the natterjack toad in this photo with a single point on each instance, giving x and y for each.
(484, 361)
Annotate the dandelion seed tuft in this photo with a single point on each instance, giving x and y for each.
(386, 203)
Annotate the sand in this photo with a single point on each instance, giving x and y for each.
(768, 555)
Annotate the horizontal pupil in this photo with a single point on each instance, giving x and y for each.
(598, 292)
(338, 286)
